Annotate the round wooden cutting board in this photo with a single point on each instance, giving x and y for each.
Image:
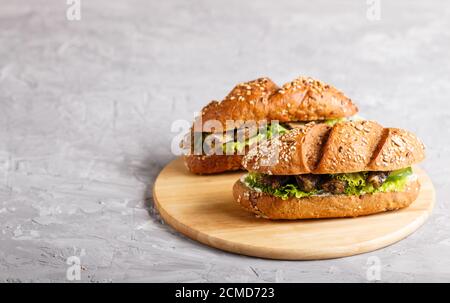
(202, 208)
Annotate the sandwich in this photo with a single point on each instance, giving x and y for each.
(350, 169)
(212, 144)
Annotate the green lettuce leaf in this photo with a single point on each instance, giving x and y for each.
(356, 184)
(396, 181)
(253, 180)
(271, 130)
(332, 122)
(396, 174)
(355, 181)
(393, 185)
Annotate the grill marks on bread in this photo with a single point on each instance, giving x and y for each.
(246, 101)
(397, 147)
(343, 148)
(314, 144)
(306, 99)
(288, 154)
(303, 99)
(350, 145)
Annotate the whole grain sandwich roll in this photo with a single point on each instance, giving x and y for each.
(213, 145)
(350, 169)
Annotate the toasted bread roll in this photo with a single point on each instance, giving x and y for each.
(350, 146)
(296, 152)
(326, 206)
(307, 99)
(397, 147)
(344, 148)
(303, 99)
(246, 101)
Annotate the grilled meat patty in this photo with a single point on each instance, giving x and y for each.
(334, 186)
(308, 182)
(275, 181)
(377, 178)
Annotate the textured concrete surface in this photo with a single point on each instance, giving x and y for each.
(85, 124)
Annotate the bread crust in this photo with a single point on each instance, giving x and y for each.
(315, 207)
(247, 101)
(303, 99)
(212, 164)
(347, 147)
(397, 148)
(307, 99)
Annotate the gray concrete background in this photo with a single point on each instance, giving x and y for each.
(86, 108)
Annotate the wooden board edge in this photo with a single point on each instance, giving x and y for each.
(294, 254)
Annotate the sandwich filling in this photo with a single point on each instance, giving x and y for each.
(232, 142)
(359, 183)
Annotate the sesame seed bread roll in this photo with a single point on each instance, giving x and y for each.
(296, 152)
(247, 101)
(397, 147)
(303, 99)
(322, 206)
(307, 99)
(350, 146)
